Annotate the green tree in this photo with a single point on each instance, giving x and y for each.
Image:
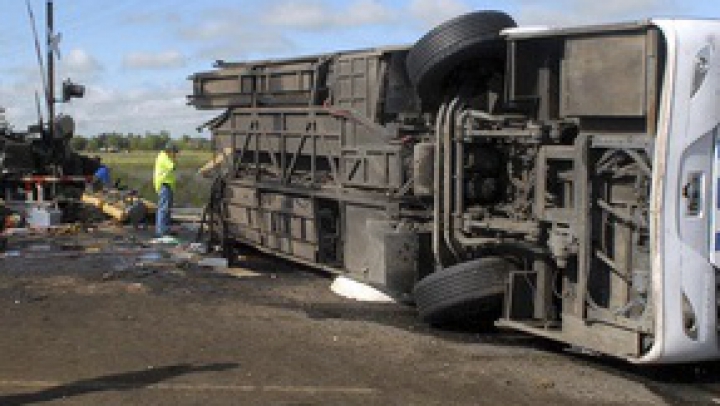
(79, 143)
(93, 144)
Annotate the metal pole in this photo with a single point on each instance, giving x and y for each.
(51, 92)
(50, 72)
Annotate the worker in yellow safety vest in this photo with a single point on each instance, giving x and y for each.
(164, 181)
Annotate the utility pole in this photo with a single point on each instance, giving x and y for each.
(51, 71)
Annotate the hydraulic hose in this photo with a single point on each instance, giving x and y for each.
(447, 152)
(437, 201)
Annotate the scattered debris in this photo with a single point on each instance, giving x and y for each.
(355, 290)
(197, 247)
(17, 231)
(165, 240)
(14, 220)
(239, 272)
(40, 247)
(151, 256)
(122, 205)
(43, 216)
(188, 217)
(213, 262)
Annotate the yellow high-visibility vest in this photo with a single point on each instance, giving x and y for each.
(164, 171)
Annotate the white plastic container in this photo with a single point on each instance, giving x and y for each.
(43, 216)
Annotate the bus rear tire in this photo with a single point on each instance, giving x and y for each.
(470, 36)
(467, 294)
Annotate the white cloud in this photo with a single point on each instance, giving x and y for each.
(18, 96)
(161, 60)
(234, 33)
(252, 45)
(433, 12)
(19, 102)
(620, 9)
(367, 12)
(79, 62)
(578, 12)
(298, 14)
(152, 17)
(136, 110)
(222, 25)
(230, 34)
(106, 109)
(318, 15)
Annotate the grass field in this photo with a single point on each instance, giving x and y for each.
(135, 170)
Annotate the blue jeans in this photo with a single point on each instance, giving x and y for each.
(162, 217)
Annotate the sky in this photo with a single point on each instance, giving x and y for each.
(135, 56)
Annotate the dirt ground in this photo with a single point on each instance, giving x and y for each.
(101, 318)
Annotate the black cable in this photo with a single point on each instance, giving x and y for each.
(212, 209)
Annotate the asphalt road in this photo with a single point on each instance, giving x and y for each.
(96, 319)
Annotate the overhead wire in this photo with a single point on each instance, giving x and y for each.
(83, 19)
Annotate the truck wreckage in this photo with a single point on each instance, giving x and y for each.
(38, 164)
(34, 153)
(565, 177)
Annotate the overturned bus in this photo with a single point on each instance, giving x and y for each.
(569, 178)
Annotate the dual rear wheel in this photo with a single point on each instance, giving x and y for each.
(469, 292)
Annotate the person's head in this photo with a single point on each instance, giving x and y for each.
(98, 159)
(171, 148)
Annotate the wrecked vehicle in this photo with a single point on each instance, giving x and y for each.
(570, 174)
(39, 163)
(43, 150)
(33, 152)
(40, 175)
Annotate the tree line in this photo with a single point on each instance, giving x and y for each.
(136, 142)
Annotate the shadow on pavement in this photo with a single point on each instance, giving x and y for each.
(118, 382)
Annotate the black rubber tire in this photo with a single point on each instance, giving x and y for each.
(474, 35)
(467, 293)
